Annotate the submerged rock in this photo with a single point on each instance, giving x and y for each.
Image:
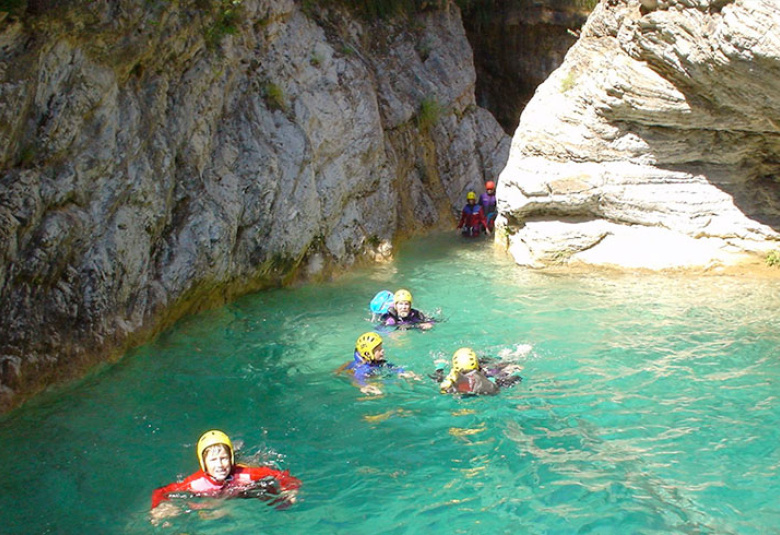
(656, 144)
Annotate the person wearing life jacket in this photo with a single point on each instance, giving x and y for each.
(472, 217)
(488, 203)
(220, 477)
(470, 377)
(402, 315)
(369, 362)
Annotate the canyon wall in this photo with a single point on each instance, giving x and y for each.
(160, 157)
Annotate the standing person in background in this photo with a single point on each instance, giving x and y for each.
(472, 218)
(488, 203)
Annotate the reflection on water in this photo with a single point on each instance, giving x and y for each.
(649, 405)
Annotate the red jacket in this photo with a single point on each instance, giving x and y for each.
(242, 481)
(472, 216)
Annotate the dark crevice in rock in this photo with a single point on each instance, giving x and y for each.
(517, 44)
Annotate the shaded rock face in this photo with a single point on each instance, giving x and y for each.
(162, 157)
(655, 144)
(517, 44)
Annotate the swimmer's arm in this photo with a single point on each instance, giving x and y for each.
(447, 385)
(371, 390)
(160, 495)
(164, 511)
(503, 369)
(402, 372)
(360, 380)
(409, 375)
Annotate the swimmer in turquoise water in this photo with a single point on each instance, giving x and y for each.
(472, 376)
(369, 362)
(402, 315)
(220, 477)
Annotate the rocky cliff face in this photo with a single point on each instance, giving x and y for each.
(158, 157)
(656, 144)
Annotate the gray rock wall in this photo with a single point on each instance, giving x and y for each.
(655, 144)
(160, 157)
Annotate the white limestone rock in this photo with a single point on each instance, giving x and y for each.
(661, 122)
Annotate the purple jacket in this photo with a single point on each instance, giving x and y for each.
(488, 203)
(391, 317)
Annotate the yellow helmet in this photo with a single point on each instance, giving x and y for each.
(471, 196)
(464, 360)
(402, 295)
(366, 343)
(210, 438)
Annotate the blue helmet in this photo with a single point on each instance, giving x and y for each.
(381, 302)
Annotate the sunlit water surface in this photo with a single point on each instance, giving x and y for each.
(649, 405)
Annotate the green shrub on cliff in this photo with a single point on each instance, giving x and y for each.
(568, 81)
(11, 6)
(773, 258)
(589, 5)
(430, 111)
(226, 22)
(381, 9)
(274, 97)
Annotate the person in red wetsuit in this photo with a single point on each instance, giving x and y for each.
(472, 218)
(220, 477)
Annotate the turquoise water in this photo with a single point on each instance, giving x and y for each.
(649, 405)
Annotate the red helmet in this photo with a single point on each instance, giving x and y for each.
(490, 185)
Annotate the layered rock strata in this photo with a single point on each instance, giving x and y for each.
(655, 144)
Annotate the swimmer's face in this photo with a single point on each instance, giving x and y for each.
(403, 308)
(217, 461)
(379, 353)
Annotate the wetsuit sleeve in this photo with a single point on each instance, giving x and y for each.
(285, 480)
(501, 377)
(418, 316)
(361, 373)
(478, 383)
(463, 216)
(275, 485)
(496, 369)
(388, 318)
(447, 386)
(161, 494)
(394, 369)
(481, 217)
